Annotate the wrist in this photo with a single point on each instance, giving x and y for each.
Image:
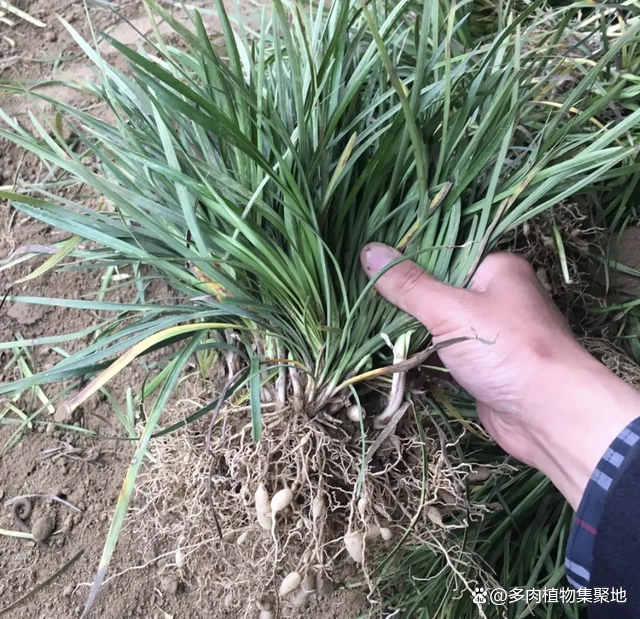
(582, 409)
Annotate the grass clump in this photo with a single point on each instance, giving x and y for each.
(250, 173)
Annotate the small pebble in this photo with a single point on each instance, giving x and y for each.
(68, 591)
(52, 36)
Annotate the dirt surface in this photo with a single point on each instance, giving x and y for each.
(85, 474)
(628, 255)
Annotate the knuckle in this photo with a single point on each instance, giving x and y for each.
(506, 264)
(519, 263)
(411, 279)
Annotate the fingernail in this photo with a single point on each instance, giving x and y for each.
(376, 256)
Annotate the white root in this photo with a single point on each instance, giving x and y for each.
(263, 514)
(386, 534)
(318, 508)
(355, 413)
(281, 381)
(478, 475)
(298, 398)
(395, 399)
(276, 461)
(290, 583)
(362, 507)
(398, 382)
(354, 543)
(433, 513)
(180, 558)
(281, 500)
(447, 497)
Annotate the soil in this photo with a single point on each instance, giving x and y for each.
(49, 461)
(629, 255)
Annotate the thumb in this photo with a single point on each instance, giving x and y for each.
(436, 305)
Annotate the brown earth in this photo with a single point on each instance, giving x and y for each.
(82, 471)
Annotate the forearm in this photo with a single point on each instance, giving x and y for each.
(583, 417)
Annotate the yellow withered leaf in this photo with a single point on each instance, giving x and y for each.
(216, 290)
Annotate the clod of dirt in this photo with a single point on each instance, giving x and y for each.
(303, 594)
(628, 255)
(300, 598)
(26, 313)
(68, 591)
(42, 528)
(265, 604)
(324, 586)
(170, 584)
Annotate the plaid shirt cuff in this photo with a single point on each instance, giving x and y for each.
(582, 538)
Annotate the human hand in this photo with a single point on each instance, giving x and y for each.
(539, 394)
